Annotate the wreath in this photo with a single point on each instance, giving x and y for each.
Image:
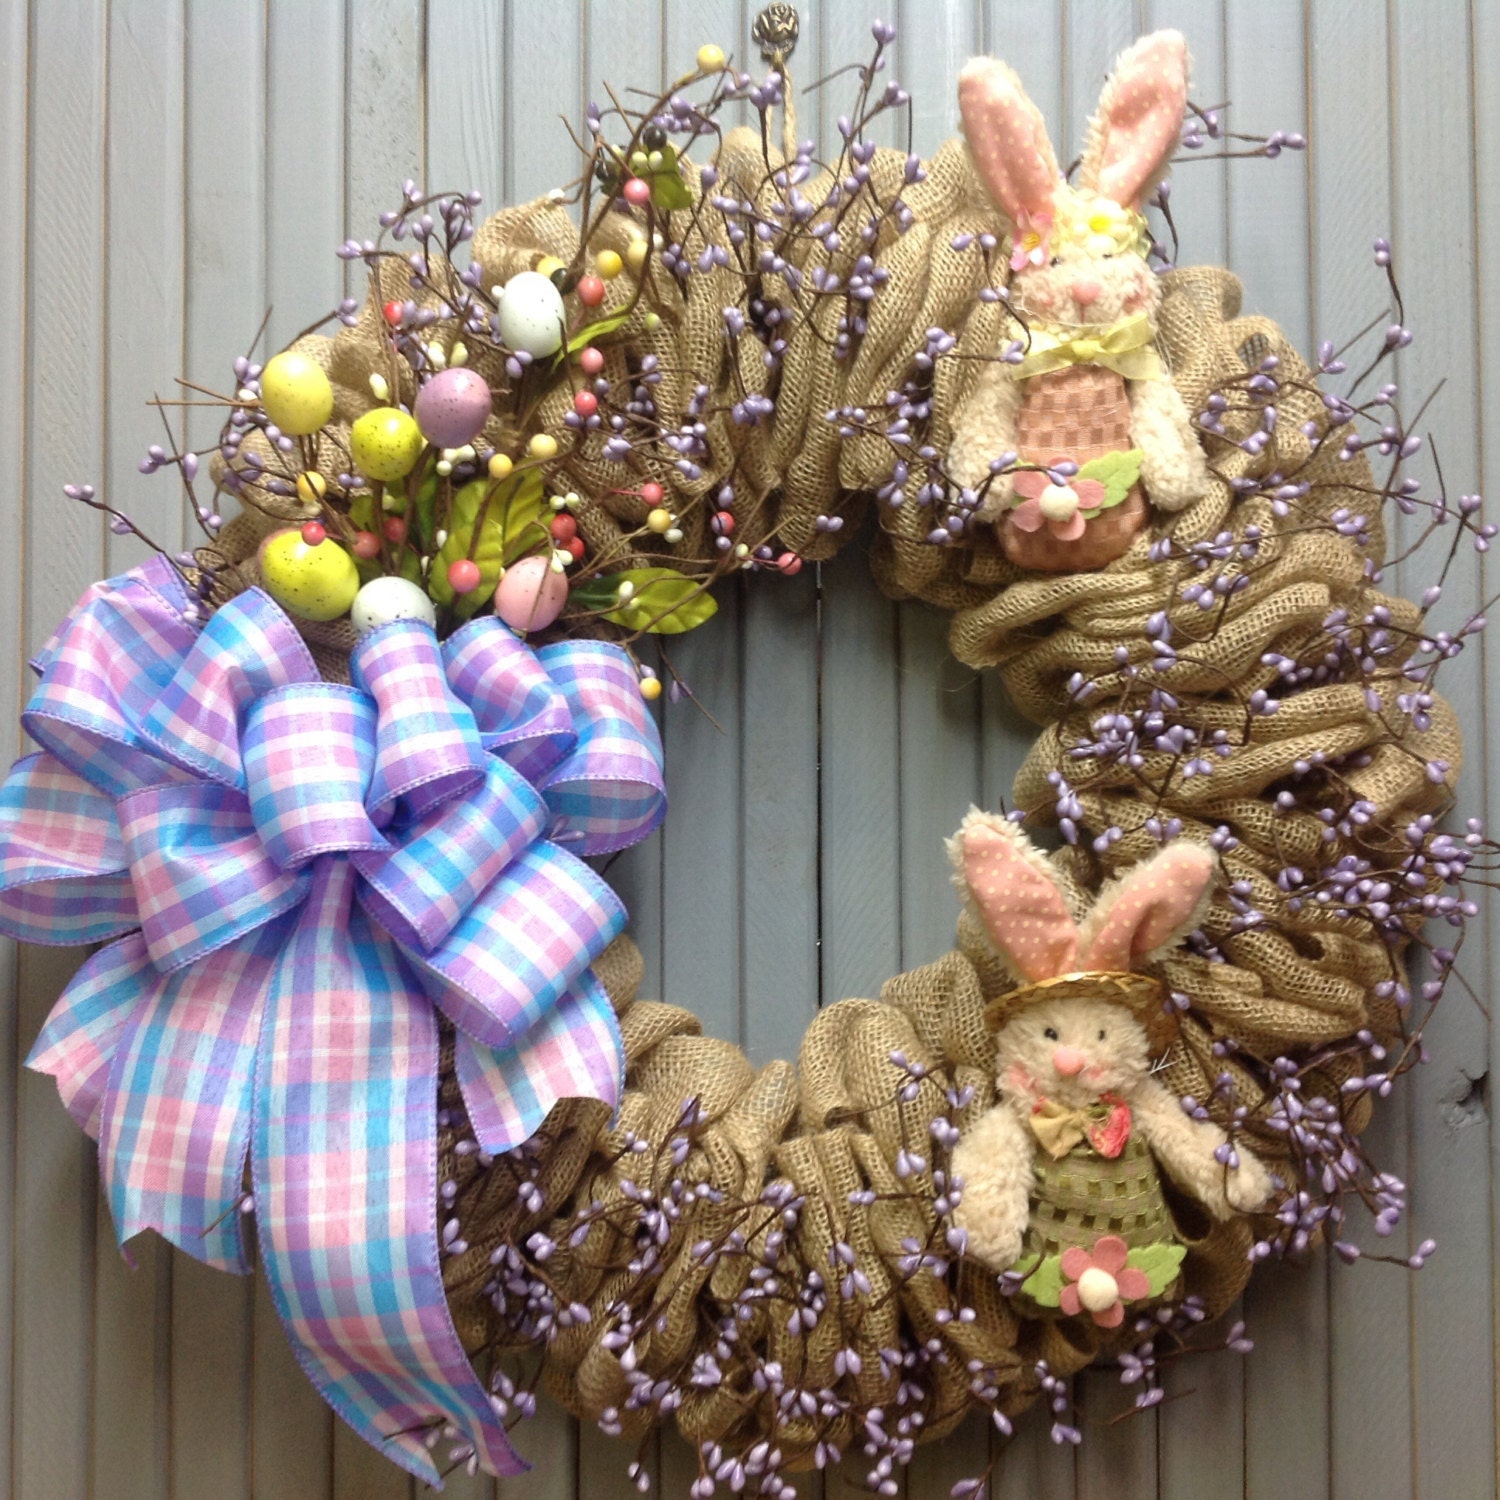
(336, 789)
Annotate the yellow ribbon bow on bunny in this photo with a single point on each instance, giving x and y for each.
(1105, 1125)
(1126, 347)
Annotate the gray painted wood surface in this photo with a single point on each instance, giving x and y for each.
(169, 168)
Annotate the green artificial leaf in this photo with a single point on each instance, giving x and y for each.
(1161, 1263)
(1117, 472)
(669, 191)
(362, 511)
(1044, 1284)
(595, 330)
(426, 498)
(515, 524)
(664, 602)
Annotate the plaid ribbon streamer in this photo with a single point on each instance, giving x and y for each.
(295, 874)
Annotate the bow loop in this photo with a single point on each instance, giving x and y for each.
(309, 755)
(202, 874)
(608, 793)
(427, 743)
(519, 948)
(247, 649)
(102, 670)
(1126, 347)
(62, 859)
(522, 716)
(447, 860)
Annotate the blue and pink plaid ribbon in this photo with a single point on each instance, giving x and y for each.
(292, 876)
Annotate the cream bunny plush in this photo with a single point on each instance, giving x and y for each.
(1060, 1177)
(1091, 387)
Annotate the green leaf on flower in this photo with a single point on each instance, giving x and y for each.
(515, 524)
(1160, 1263)
(669, 191)
(596, 330)
(1117, 472)
(426, 499)
(664, 602)
(1045, 1283)
(362, 511)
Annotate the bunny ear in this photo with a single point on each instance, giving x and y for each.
(1132, 137)
(1016, 895)
(1008, 137)
(1152, 906)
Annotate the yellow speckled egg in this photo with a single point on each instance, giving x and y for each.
(314, 583)
(385, 444)
(295, 393)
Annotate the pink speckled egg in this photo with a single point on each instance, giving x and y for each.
(531, 594)
(452, 407)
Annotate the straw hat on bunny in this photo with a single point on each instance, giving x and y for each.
(1090, 389)
(1061, 1178)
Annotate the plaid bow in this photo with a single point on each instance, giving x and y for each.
(291, 876)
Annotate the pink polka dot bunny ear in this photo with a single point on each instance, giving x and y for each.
(1135, 132)
(1008, 138)
(1151, 907)
(1014, 892)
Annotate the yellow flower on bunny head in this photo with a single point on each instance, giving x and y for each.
(1089, 226)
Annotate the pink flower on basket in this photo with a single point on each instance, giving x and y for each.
(1063, 508)
(1101, 1283)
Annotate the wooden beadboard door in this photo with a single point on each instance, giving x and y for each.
(171, 168)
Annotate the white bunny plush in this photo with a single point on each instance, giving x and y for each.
(1091, 388)
(1060, 1177)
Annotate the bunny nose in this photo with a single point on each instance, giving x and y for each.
(1068, 1061)
(1085, 291)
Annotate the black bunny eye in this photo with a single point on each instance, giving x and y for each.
(1057, 260)
(1050, 1033)
(1101, 1036)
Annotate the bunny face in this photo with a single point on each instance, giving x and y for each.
(1071, 1051)
(1078, 251)
(1078, 288)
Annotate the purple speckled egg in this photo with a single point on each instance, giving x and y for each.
(452, 407)
(531, 594)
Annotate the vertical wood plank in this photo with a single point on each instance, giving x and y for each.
(144, 164)
(467, 82)
(1265, 52)
(52, 1292)
(1349, 160)
(1453, 1300)
(291, 1427)
(1199, 186)
(861, 892)
(15, 57)
(54, 1192)
(545, 47)
(305, 152)
(1485, 38)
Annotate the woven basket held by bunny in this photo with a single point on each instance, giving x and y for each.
(1088, 407)
(1061, 1182)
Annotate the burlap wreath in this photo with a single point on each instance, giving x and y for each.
(830, 1127)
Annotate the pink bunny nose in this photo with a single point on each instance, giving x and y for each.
(1068, 1061)
(1085, 291)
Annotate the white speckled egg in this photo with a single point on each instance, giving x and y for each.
(382, 600)
(531, 315)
